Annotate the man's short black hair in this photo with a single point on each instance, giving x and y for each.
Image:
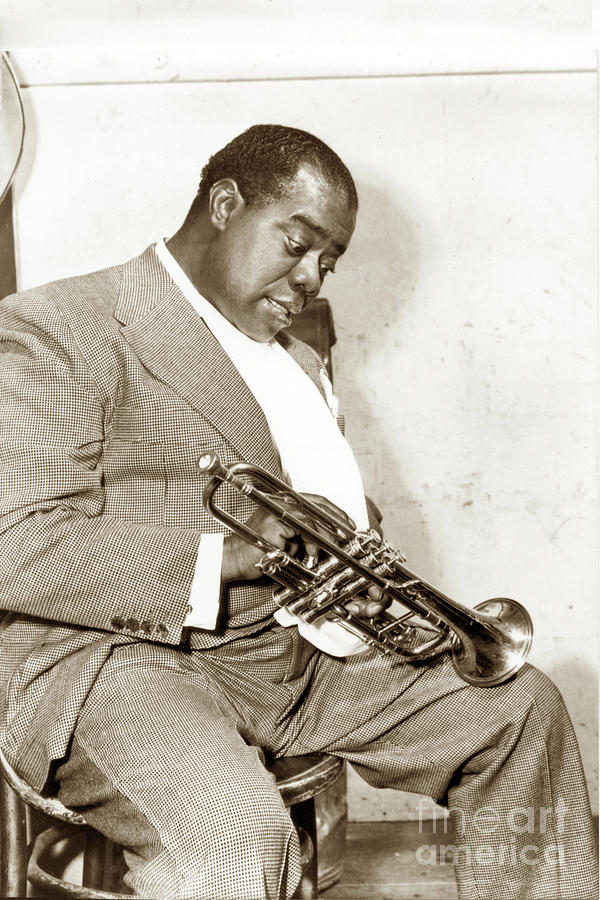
(265, 158)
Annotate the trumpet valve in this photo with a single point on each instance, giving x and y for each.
(272, 562)
(319, 605)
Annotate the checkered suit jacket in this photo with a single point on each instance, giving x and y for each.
(111, 386)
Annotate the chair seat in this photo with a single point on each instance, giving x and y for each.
(299, 778)
(49, 806)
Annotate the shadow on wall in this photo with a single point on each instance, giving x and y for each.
(372, 357)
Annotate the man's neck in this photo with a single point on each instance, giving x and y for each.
(190, 247)
(179, 249)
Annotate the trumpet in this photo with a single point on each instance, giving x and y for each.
(488, 644)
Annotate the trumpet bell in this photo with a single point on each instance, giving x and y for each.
(497, 644)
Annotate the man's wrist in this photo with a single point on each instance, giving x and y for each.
(234, 566)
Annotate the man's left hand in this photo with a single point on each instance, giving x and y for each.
(372, 605)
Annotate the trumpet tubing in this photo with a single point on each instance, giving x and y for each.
(488, 644)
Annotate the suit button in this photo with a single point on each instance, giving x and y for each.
(132, 624)
(146, 627)
(162, 629)
(117, 622)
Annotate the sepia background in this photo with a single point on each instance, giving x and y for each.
(466, 307)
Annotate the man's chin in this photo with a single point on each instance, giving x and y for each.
(265, 328)
(263, 334)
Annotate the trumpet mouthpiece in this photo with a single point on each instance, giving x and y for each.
(208, 461)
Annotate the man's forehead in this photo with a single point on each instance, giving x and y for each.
(311, 222)
(317, 203)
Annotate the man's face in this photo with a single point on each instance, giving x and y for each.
(269, 262)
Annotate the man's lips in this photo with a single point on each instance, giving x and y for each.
(282, 310)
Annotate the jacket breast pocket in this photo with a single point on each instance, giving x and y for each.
(151, 464)
(185, 484)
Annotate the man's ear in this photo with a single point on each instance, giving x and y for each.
(224, 200)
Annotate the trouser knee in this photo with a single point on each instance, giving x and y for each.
(540, 690)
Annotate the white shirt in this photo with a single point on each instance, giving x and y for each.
(313, 452)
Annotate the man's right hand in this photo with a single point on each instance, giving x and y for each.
(240, 557)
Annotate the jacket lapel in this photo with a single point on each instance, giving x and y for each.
(175, 344)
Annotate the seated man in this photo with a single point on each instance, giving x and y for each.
(142, 667)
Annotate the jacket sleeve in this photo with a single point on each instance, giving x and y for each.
(61, 557)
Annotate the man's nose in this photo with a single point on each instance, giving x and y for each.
(306, 279)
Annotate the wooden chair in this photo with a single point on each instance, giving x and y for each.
(299, 779)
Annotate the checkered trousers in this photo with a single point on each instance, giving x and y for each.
(200, 815)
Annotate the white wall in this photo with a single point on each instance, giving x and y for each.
(294, 28)
(465, 308)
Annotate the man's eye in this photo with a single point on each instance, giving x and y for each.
(296, 248)
(326, 270)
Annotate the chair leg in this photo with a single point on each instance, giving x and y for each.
(93, 859)
(103, 866)
(13, 841)
(114, 868)
(303, 817)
